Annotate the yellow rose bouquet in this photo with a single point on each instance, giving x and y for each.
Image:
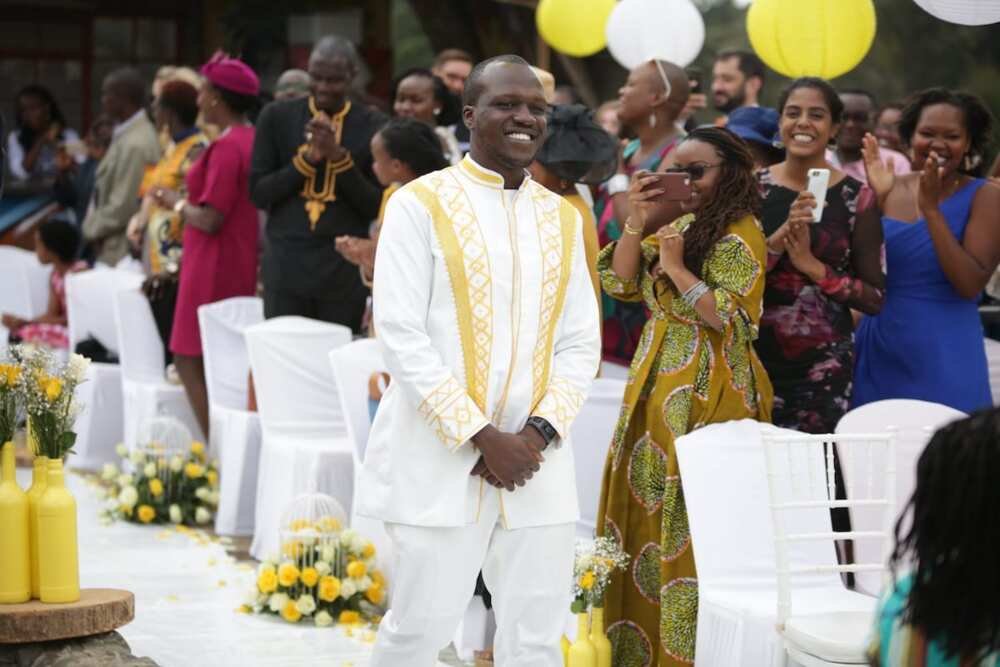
(155, 485)
(324, 574)
(595, 563)
(47, 391)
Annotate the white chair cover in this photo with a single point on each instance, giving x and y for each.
(591, 434)
(993, 364)
(915, 422)
(613, 371)
(24, 284)
(304, 447)
(145, 390)
(724, 478)
(90, 311)
(234, 430)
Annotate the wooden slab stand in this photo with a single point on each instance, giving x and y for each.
(98, 610)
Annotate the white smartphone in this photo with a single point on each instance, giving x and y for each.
(819, 180)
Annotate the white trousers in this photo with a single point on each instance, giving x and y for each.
(528, 571)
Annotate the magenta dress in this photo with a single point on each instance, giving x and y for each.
(224, 264)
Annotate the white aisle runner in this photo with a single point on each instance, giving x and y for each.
(186, 595)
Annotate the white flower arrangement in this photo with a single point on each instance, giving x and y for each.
(158, 491)
(595, 563)
(46, 390)
(321, 575)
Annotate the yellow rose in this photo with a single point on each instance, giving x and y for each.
(288, 574)
(329, 524)
(291, 549)
(300, 524)
(310, 576)
(587, 580)
(193, 470)
(53, 388)
(356, 570)
(198, 449)
(212, 477)
(267, 582)
(378, 578)
(290, 612)
(348, 617)
(329, 588)
(368, 551)
(146, 513)
(375, 594)
(156, 487)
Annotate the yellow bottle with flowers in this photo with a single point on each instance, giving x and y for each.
(15, 574)
(39, 480)
(58, 562)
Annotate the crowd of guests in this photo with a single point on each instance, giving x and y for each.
(727, 303)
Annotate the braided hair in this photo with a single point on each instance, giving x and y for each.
(736, 195)
(953, 538)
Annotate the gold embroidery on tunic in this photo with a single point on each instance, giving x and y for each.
(318, 198)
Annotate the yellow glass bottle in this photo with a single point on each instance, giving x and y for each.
(602, 645)
(39, 477)
(564, 646)
(58, 563)
(581, 652)
(15, 574)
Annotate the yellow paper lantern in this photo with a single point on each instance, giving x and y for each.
(825, 38)
(574, 27)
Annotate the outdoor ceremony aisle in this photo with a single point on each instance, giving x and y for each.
(187, 590)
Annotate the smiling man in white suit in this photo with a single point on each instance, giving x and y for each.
(487, 318)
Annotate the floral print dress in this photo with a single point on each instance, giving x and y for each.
(807, 332)
(684, 375)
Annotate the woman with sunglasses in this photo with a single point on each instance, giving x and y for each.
(816, 273)
(699, 267)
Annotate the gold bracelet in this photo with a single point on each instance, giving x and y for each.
(629, 229)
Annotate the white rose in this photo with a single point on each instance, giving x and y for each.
(277, 602)
(348, 588)
(175, 514)
(305, 604)
(327, 553)
(323, 619)
(177, 464)
(202, 515)
(121, 450)
(364, 583)
(124, 480)
(213, 499)
(149, 470)
(128, 496)
(347, 537)
(369, 564)
(111, 504)
(137, 457)
(358, 544)
(76, 368)
(109, 472)
(322, 568)
(202, 493)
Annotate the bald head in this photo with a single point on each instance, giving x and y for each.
(292, 84)
(478, 79)
(678, 90)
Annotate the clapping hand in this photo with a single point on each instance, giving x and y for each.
(322, 140)
(881, 175)
(798, 245)
(929, 190)
(801, 211)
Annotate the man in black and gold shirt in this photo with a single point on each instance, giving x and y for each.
(311, 172)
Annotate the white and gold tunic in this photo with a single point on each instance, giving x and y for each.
(486, 314)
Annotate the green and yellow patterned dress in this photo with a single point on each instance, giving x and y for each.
(684, 375)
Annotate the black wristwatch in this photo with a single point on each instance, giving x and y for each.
(544, 428)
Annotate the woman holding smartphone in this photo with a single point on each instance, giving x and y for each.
(693, 252)
(816, 271)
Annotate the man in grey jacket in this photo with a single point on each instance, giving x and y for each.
(134, 148)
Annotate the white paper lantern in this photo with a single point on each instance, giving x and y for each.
(963, 12)
(641, 30)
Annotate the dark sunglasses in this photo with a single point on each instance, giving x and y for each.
(695, 171)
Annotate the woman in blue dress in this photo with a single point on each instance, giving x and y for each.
(942, 243)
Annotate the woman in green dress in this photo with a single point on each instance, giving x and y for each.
(702, 277)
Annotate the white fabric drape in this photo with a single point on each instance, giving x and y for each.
(304, 446)
(234, 431)
(592, 432)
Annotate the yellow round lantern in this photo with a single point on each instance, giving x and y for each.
(574, 27)
(824, 38)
